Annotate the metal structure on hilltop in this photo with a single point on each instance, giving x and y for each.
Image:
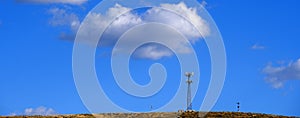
(238, 106)
(189, 94)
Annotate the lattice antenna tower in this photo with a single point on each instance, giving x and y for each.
(189, 94)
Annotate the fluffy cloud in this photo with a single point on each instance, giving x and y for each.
(12, 114)
(204, 3)
(36, 111)
(122, 24)
(73, 2)
(39, 111)
(190, 20)
(63, 17)
(277, 76)
(153, 52)
(257, 47)
(184, 22)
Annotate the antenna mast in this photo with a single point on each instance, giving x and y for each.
(238, 106)
(189, 95)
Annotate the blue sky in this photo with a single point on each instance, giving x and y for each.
(261, 40)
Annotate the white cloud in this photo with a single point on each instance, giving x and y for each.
(190, 21)
(73, 2)
(118, 27)
(277, 76)
(61, 17)
(204, 3)
(184, 22)
(39, 111)
(257, 47)
(153, 52)
(35, 111)
(12, 114)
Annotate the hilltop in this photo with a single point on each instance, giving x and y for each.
(161, 115)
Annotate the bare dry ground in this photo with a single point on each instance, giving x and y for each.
(162, 115)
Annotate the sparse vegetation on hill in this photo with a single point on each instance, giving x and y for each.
(162, 115)
(229, 115)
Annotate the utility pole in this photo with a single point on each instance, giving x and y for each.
(189, 94)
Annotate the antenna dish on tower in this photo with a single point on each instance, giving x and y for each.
(189, 74)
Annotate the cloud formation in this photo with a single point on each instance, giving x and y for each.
(204, 3)
(72, 2)
(63, 17)
(36, 111)
(184, 22)
(257, 47)
(277, 76)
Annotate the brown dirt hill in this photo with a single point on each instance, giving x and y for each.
(162, 115)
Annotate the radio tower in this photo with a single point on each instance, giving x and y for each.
(238, 106)
(189, 94)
